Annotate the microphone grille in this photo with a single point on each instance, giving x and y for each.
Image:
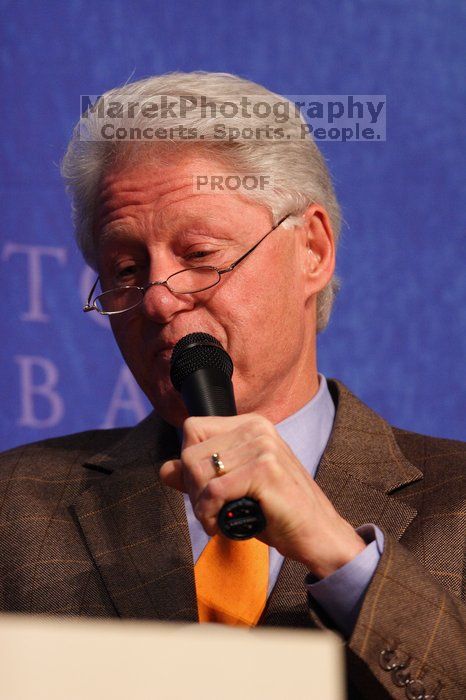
(198, 351)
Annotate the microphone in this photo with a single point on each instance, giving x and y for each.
(201, 371)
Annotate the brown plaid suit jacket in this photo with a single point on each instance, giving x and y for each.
(87, 528)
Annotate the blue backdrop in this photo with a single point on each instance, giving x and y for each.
(397, 335)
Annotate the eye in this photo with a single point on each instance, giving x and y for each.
(199, 254)
(128, 273)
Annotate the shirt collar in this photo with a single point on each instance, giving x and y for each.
(307, 431)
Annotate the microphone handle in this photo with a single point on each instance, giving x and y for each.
(207, 393)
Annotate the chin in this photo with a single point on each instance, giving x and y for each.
(168, 404)
(245, 404)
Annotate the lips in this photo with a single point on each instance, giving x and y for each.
(163, 344)
(165, 350)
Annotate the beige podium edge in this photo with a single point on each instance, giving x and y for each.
(67, 658)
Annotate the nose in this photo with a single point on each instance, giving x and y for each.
(161, 305)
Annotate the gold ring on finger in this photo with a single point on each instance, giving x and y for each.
(218, 464)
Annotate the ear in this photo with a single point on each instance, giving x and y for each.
(318, 249)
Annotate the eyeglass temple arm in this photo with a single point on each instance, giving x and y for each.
(237, 262)
(88, 306)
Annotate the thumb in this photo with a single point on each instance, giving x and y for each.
(171, 473)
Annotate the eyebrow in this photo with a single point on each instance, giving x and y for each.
(194, 222)
(189, 226)
(115, 233)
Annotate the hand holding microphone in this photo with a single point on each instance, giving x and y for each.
(201, 371)
(294, 514)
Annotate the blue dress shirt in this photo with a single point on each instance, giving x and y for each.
(341, 594)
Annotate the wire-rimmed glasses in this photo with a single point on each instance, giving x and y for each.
(187, 281)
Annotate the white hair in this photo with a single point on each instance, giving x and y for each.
(294, 163)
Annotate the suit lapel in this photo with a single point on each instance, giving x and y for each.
(135, 527)
(360, 469)
(137, 533)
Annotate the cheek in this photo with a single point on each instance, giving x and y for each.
(260, 319)
(127, 336)
(273, 303)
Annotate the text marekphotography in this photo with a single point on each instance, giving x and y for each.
(246, 118)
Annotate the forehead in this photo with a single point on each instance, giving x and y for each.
(136, 196)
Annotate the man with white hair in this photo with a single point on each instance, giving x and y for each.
(364, 522)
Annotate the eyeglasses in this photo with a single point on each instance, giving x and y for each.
(187, 281)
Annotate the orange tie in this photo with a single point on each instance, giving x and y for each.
(232, 581)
